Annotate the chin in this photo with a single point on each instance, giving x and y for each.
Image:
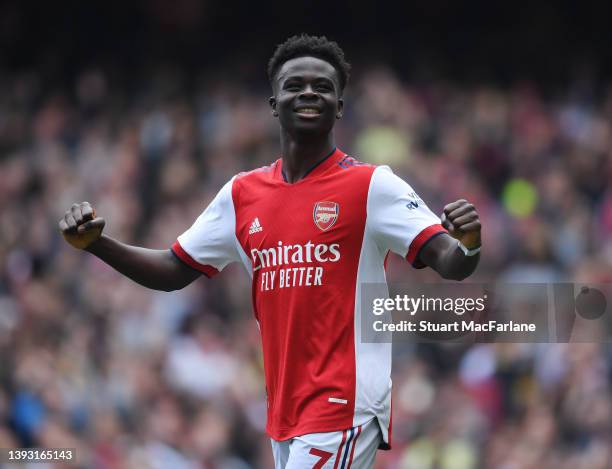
(309, 132)
(310, 128)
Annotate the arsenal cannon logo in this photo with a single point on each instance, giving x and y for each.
(325, 214)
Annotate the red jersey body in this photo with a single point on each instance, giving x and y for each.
(308, 247)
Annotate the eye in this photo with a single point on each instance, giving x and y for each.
(291, 86)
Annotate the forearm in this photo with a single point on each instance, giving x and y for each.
(444, 256)
(455, 265)
(155, 269)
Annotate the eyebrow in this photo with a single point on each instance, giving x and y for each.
(301, 78)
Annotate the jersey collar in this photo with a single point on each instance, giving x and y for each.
(313, 172)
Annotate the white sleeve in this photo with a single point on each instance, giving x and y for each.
(398, 218)
(210, 244)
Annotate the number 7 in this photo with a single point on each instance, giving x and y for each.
(324, 455)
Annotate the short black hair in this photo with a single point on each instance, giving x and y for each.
(304, 45)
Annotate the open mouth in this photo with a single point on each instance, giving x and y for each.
(307, 111)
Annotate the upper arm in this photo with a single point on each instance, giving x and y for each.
(398, 218)
(210, 243)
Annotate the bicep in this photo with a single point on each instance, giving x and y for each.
(398, 218)
(210, 243)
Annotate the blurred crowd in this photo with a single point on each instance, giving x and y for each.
(134, 378)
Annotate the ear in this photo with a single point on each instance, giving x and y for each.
(340, 108)
(272, 102)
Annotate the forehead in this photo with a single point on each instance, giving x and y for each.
(307, 67)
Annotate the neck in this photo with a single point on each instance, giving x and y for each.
(300, 156)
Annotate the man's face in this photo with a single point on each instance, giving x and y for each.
(307, 96)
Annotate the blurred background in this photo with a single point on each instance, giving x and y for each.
(146, 108)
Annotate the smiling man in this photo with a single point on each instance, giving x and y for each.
(310, 229)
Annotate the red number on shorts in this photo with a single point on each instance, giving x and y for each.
(324, 455)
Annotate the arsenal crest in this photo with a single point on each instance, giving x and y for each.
(325, 214)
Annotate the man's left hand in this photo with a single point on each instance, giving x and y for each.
(462, 222)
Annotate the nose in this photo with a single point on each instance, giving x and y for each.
(308, 92)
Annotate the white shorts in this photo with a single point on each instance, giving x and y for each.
(354, 448)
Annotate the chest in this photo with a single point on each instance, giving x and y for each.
(314, 216)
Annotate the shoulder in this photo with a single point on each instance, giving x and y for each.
(353, 171)
(253, 183)
(349, 162)
(384, 177)
(256, 177)
(262, 172)
(387, 187)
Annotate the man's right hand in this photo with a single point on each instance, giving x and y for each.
(80, 227)
(158, 269)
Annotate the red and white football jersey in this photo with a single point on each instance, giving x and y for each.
(309, 246)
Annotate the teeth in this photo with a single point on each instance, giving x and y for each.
(308, 110)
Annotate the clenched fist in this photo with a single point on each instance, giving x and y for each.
(461, 220)
(80, 227)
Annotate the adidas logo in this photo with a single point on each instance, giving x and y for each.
(255, 227)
